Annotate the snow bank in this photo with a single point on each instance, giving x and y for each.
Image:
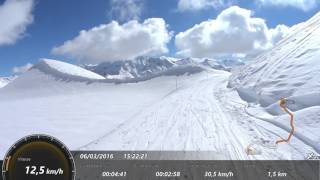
(296, 103)
(306, 122)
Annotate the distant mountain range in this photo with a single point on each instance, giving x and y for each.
(150, 66)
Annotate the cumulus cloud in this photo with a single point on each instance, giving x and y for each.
(22, 69)
(15, 16)
(304, 5)
(234, 31)
(110, 42)
(191, 5)
(125, 10)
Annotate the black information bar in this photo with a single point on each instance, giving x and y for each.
(153, 165)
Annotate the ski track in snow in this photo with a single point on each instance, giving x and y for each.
(206, 116)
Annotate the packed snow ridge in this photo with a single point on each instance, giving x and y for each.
(65, 70)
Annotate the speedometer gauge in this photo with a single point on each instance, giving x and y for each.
(38, 157)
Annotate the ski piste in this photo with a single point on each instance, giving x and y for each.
(200, 113)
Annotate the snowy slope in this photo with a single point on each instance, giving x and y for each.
(290, 69)
(44, 79)
(52, 99)
(59, 68)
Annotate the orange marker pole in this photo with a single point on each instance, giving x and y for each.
(282, 104)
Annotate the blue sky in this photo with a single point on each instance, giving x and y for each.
(55, 22)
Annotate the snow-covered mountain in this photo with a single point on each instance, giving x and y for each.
(291, 70)
(143, 67)
(45, 78)
(226, 64)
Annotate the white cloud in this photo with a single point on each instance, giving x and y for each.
(278, 33)
(304, 5)
(191, 5)
(109, 42)
(22, 69)
(234, 31)
(15, 16)
(125, 10)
